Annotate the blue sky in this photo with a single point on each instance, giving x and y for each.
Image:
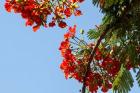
(29, 62)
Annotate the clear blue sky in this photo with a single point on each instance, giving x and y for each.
(29, 62)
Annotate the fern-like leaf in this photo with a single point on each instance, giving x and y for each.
(93, 34)
(123, 82)
(138, 77)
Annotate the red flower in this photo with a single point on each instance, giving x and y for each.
(111, 65)
(80, 1)
(39, 12)
(77, 13)
(35, 28)
(104, 89)
(98, 55)
(29, 22)
(64, 45)
(73, 1)
(67, 12)
(8, 7)
(71, 32)
(62, 24)
(52, 24)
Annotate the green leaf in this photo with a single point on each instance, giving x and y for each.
(95, 2)
(82, 31)
(93, 34)
(123, 82)
(138, 77)
(87, 91)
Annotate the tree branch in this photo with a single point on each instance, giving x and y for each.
(107, 29)
(92, 55)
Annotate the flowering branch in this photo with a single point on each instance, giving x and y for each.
(92, 55)
(107, 29)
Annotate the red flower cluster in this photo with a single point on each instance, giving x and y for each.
(37, 11)
(112, 66)
(95, 81)
(69, 62)
(74, 68)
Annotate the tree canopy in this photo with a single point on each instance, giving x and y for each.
(107, 61)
